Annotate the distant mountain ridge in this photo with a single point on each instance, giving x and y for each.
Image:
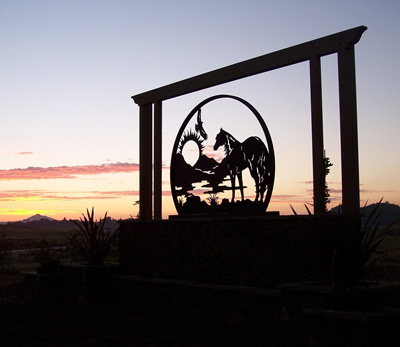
(43, 222)
(388, 212)
(36, 217)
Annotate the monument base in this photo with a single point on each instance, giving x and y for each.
(252, 250)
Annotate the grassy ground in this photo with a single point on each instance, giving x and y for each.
(25, 233)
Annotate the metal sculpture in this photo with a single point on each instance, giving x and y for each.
(252, 154)
(341, 43)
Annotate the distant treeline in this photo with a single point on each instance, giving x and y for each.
(64, 225)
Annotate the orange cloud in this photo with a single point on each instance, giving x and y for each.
(65, 172)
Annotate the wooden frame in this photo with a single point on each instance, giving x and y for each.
(341, 43)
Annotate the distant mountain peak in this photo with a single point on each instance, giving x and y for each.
(386, 212)
(37, 217)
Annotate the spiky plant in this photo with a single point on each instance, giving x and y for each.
(93, 242)
(181, 201)
(357, 247)
(213, 199)
(345, 248)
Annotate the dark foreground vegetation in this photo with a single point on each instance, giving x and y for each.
(129, 320)
(28, 322)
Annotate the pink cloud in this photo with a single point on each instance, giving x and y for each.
(37, 195)
(376, 191)
(118, 193)
(331, 191)
(24, 153)
(65, 172)
(217, 155)
(287, 198)
(10, 195)
(311, 182)
(40, 195)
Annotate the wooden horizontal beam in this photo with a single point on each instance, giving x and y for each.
(285, 57)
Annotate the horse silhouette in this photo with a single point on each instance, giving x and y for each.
(251, 154)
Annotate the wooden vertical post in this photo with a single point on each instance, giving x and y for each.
(342, 43)
(348, 131)
(158, 160)
(317, 135)
(146, 158)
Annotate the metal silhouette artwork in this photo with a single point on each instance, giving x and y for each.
(251, 154)
(342, 44)
(209, 185)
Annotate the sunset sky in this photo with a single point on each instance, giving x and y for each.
(68, 69)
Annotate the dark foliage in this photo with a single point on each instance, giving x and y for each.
(344, 247)
(93, 242)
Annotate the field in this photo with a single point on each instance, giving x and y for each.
(17, 237)
(21, 244)
(19, 247)
(28, 233)
(22, 247)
